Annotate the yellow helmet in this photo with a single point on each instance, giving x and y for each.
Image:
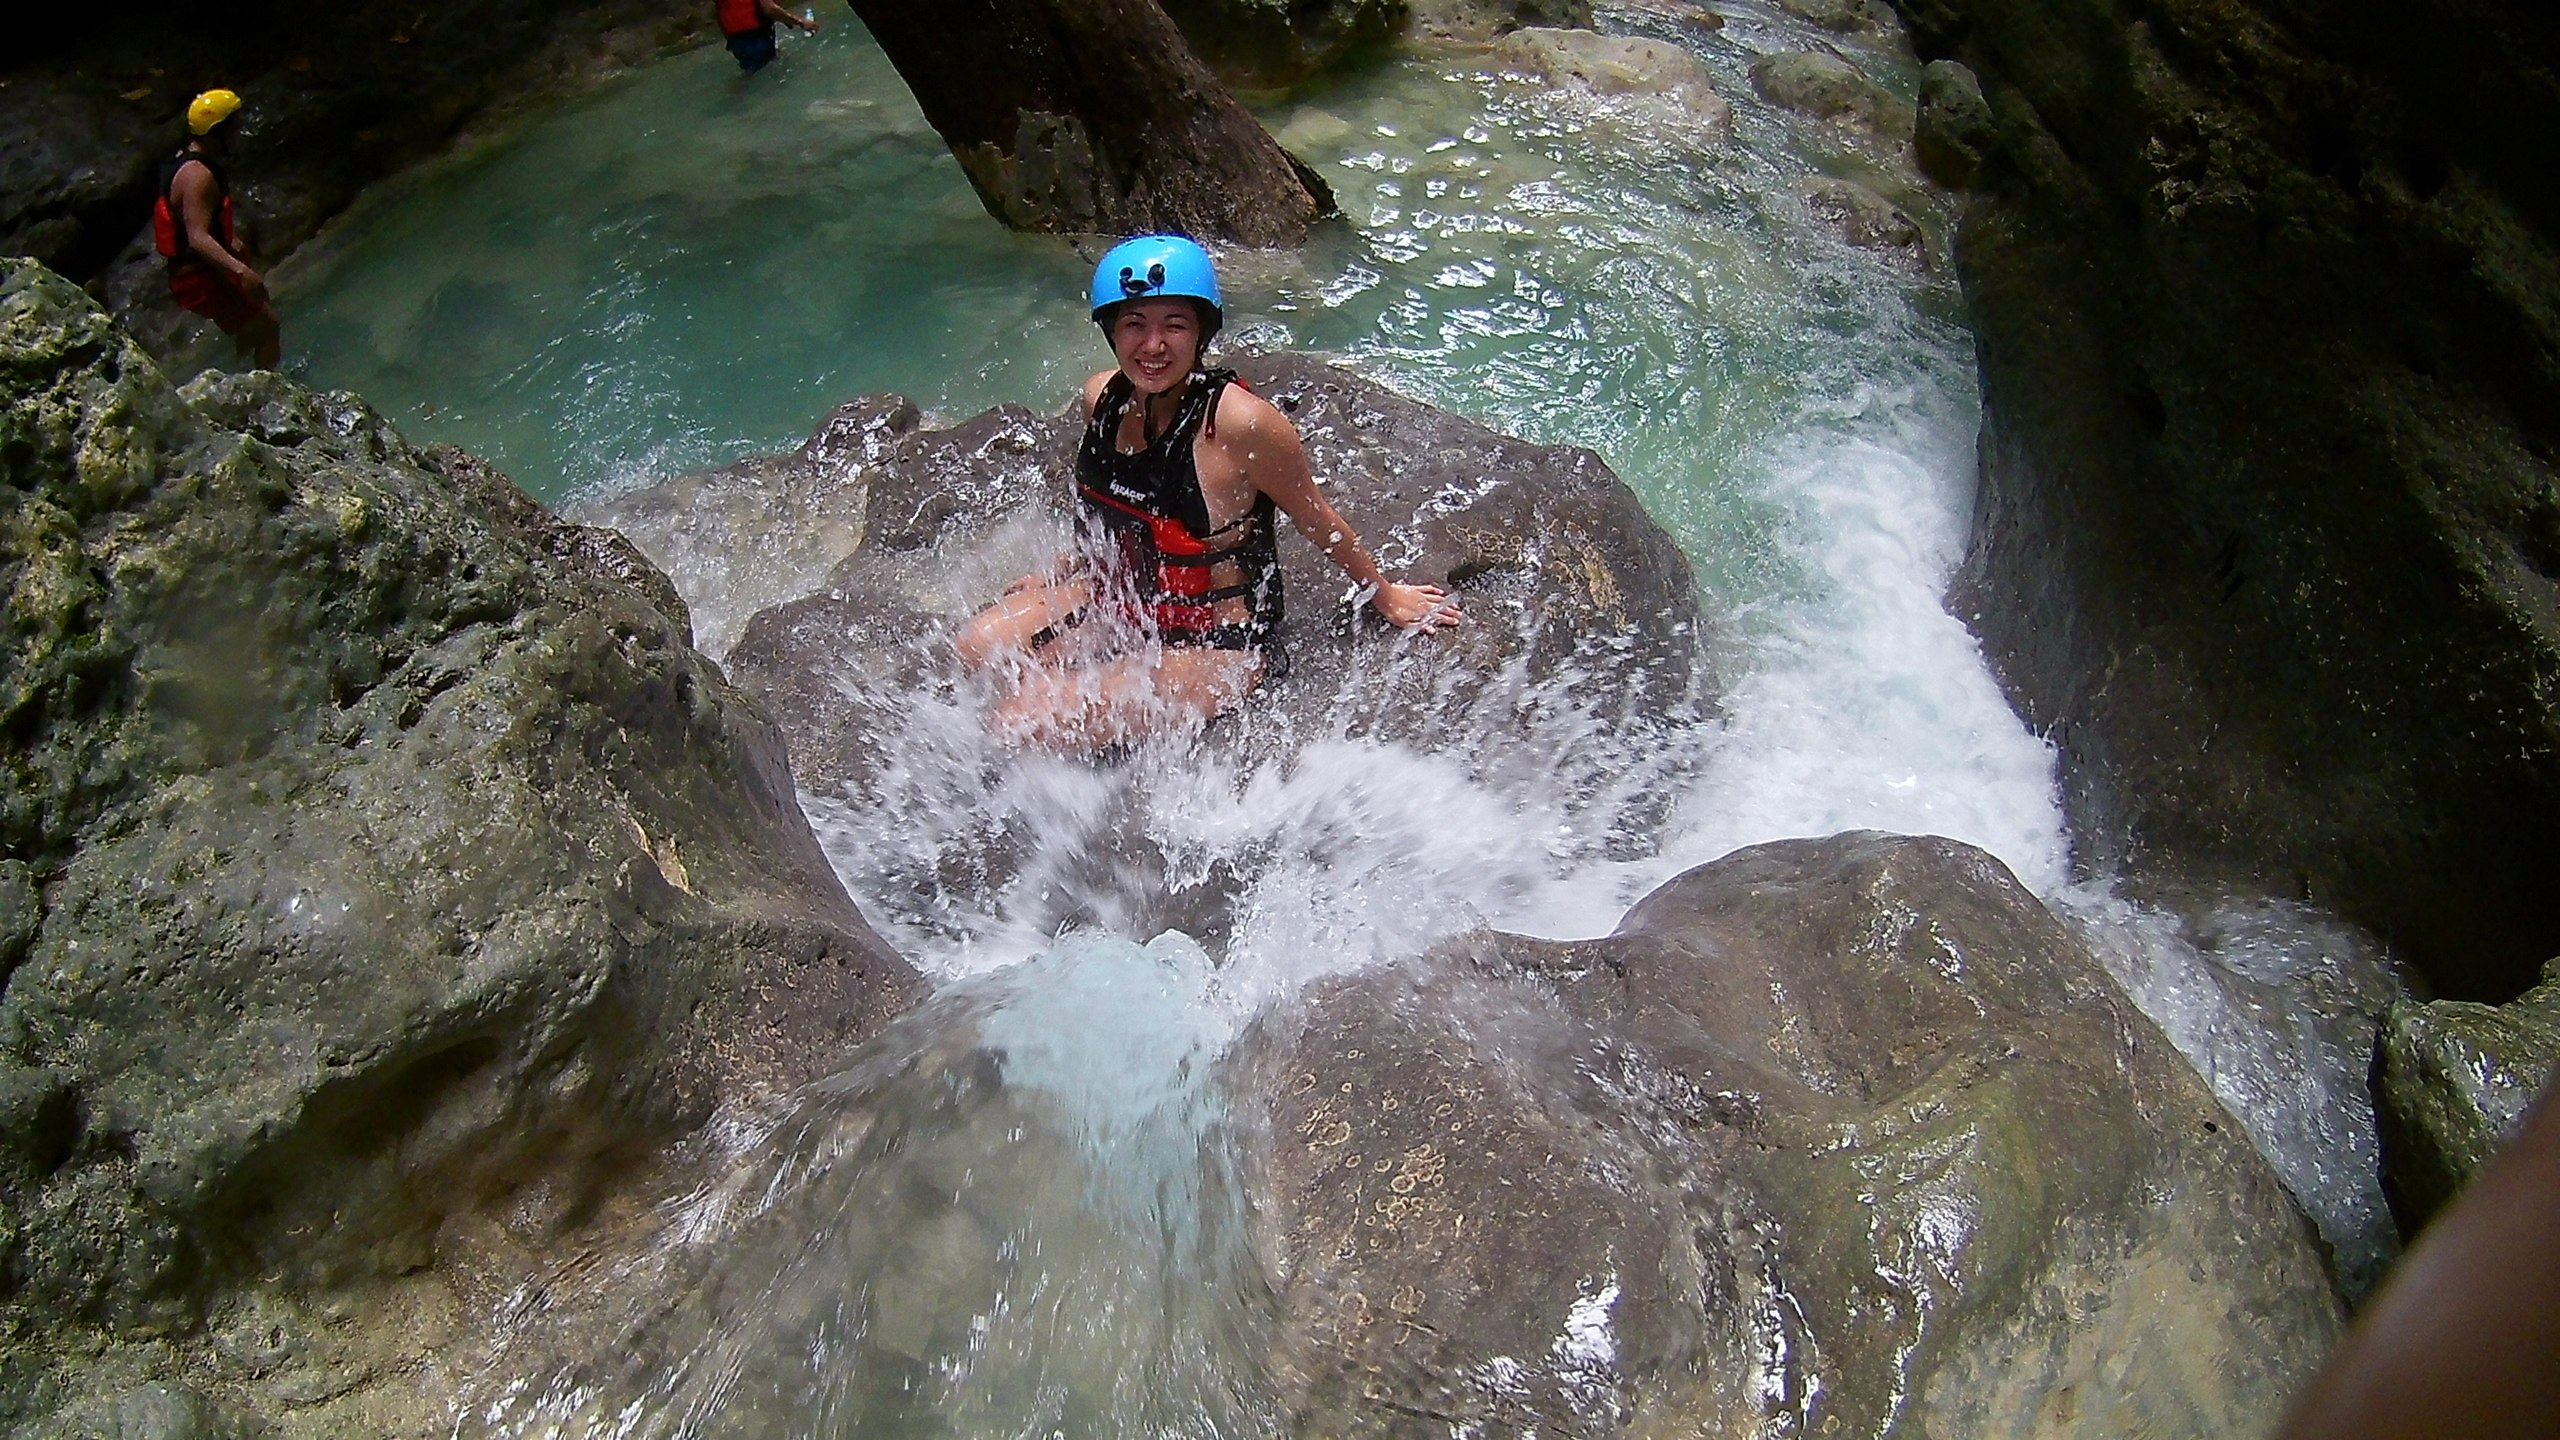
(210, 109)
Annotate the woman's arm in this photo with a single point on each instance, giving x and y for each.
(1275, 461)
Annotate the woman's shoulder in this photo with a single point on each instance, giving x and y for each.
(1245, 411)
(1093, 388)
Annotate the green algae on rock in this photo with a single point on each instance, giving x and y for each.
(1841, 1134)
(404, 885)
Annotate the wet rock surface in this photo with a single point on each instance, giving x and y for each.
(1787, 1151)
(2269, 517)
(766, 529)
(1857, 214)
(1577, 604)
(1274, 44)
(2452, 1083)
(1091, 116)
(1473, 22)
(389, 887)
(1652, 87)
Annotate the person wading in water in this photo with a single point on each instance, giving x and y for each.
(748, 27)
(192, 227)
(1169, 613)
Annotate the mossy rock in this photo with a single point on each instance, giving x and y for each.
(388, 883)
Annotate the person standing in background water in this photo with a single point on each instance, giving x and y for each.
(748, 24)
(192, 228)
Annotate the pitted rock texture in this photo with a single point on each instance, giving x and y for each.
(1843, 1135)
(389, 885)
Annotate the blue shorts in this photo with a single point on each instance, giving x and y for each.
(754, 49)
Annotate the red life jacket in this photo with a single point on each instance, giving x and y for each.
(740, 17)
(1151, 504)
(168, 234)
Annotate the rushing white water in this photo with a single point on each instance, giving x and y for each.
(688, 267)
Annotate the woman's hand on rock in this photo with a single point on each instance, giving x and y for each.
(1417, 607)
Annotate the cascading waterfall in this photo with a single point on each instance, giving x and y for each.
(1014, 1214)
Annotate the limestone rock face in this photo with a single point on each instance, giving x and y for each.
(2452, 1085)
(388, 884)
(1856, 1110)
(2269, 520)
(1574, 597)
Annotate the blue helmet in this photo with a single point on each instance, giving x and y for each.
(1150, 267)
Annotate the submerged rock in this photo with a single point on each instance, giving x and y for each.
(1845, 16)
(1649, 84)
(765, 529)
(2451, 1086)
(1857, 214)
(1576, 601)
(1477, 21)
(1830, 1135)
(404, 885)
(1830, 88)
(1097, 118)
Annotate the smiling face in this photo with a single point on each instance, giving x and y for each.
(1157, 343)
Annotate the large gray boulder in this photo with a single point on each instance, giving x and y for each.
(1830, 1136)
(388, 888)
(1575, 599)
(2267, 525)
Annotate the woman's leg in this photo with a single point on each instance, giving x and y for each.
(1012, 627)
(1082, 709)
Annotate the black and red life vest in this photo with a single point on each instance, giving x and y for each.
(740, 17)
(168, 231)
(1151, 506)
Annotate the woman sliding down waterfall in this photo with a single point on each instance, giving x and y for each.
(1168, 612)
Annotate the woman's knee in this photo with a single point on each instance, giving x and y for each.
(987, 635)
